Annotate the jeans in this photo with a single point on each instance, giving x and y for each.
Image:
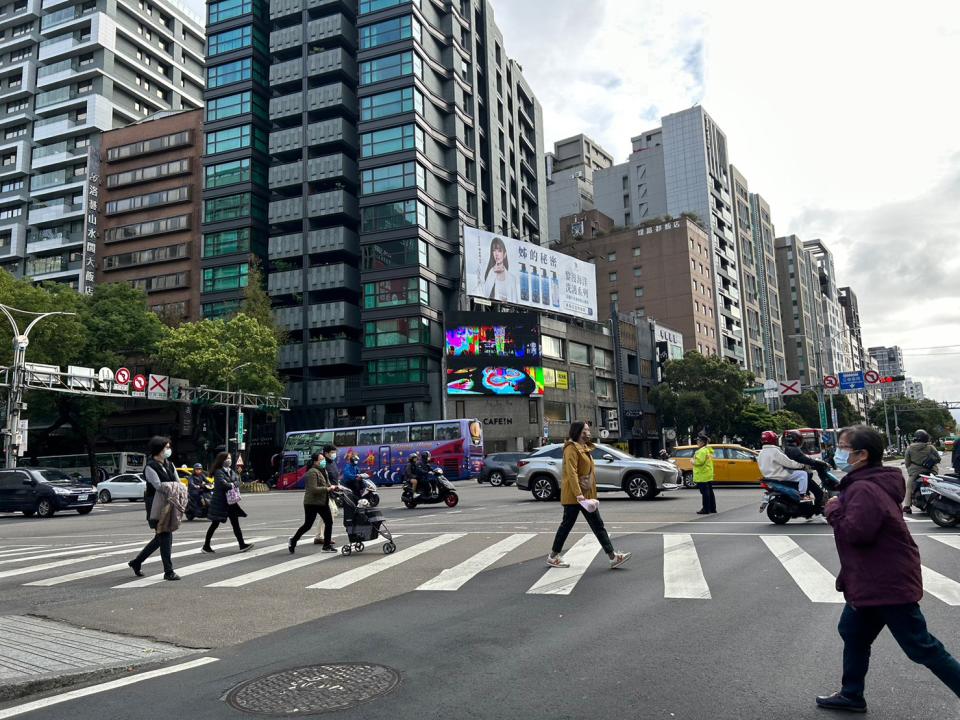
(164, 541)
(570, 515)
(709, 499)
(860, 627)
(310, 513)
(234, 522)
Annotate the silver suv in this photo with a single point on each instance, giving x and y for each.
(640, 478)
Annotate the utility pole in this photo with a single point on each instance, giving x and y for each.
(12, 438)
(886, 421)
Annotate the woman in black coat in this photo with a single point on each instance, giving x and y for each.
(224, 479)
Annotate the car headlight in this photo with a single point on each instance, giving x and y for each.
(61, 491)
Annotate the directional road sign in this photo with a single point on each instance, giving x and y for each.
(789, 387)
(851, 381)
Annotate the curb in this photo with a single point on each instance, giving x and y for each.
(254, 487)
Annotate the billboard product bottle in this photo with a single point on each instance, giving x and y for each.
(555, 286)
(534, 285)
(524, 284)
(545, 289)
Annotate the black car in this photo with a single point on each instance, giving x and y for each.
(500, 468)
(43, 491)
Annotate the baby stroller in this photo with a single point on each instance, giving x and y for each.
(363, 523)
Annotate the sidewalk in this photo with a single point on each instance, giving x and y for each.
(38, 655)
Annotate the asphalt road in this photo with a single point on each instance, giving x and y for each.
(720, 617)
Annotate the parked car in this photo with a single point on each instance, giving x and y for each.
(617, 471)
(43, 491)
(731, 463)
(500, 468)
(129, 486)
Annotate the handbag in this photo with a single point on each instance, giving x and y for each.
(932, 461)
(334, 508)
(233, 495)
(585, 483)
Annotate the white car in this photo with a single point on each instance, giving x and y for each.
(130, 486)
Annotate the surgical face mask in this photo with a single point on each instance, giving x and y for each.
(842, 459)
(322, 463)
(167, 452)
(331, 457)
(355, 461)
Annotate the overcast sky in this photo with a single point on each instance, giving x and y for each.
(843, 115)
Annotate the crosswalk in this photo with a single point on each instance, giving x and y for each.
(451, 562)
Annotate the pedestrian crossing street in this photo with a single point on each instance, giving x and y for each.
(449, 562)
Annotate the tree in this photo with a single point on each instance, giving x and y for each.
(912, 415)
(847, 414)
(786, 420)
(806, 406)
(753, 419)
(702, 393)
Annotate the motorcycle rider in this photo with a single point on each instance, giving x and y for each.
(197, 488)
(412, 471)
(426, 473)
(351, 472)
(921, 457)
(793, 441)
(955, 457)
(776, 466)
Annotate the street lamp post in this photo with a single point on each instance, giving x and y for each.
(226, 437)
(11, 434)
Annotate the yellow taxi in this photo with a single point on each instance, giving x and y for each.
(731, 463)
(184, 473)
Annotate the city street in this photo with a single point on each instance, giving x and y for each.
(719, 617)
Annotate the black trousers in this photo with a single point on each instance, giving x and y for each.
(570, 515)
(310, 513)
(234, 522)
(859, 628)
(164, 541)
(709, 499)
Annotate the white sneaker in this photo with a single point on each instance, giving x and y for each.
(557, 562)
(619, 559)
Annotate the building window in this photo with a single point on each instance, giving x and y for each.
(602, 359)
(389, 31)
(219, 309)
(392, 293)
(11, 185)
(390, 67)
(390, 103)
(241, 37)
(235, 138)
(637, 272)
(638, 292)
(228, 173)
(394, 253)
(228, 9)
(397, 371)
(556, 411)
(579, 353)
(371, 6)
(233, 105)
(145, 174)
(147, 229)
(227, 242)
(392, 177)
(391, 140)
(612, 277)
(234, 72)
(552, 347)
(145, 257)
(614, 297)
(157, 283)
(233, 207)
(155, 199)
(225, 277)
(636, 252)
(399, 331)
(611, 257)
(158, 144)
(393, 216)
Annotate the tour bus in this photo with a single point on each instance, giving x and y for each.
(455, 445)
(108, 464)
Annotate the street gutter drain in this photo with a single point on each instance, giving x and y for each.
(313, 690)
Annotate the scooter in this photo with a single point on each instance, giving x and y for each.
(446, 492)
(368, 491)
(941, 496)
(198, 502)
(782, 500)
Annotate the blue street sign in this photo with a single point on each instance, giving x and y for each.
(852, 380)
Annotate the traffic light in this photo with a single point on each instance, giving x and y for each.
(892, 378)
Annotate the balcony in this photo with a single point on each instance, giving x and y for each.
(18, 235)
(51, 268)
(282, 8)
(289, 282)
(331, 132)
(287, 210)
(49, 155)
(52, 240)
(24, 39)
(332, 62)
(286, 106)
(12, 90)
(17, 117)
(63, 17)
(333, 277)
(330, 28)
(332, 167)
(11, 18)
(327, 315)
(324, 353)
(20, 166)
(286, 39)
(58, 181)
(68, 69)
(327, 240)
(61, 96)
(336, 202)
(56, 47)
(335, 96)
(284, 73)
(287, 175)
(286, 141)
(53, 211)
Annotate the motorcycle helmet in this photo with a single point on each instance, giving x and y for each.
(793, 437)
(426, 457)
(769, 437)
(921, 436)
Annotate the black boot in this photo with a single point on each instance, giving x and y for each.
(839, 701)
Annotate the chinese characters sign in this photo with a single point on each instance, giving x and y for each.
(505, 270)
(91, 217)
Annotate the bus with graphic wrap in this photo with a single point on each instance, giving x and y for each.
(456, 446)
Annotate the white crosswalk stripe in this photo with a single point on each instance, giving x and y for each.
(207, 565)
(562, 581)
(940, 586)
(951, 540)
(107, 552)
(813, 578)
(456, 577)
(338, 582)
(272, 571)
(682, 574)
(10, 552)
(67, 552)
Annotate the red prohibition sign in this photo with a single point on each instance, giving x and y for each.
(122, 376)
(139, 383)
(830, 382)
(871, 377)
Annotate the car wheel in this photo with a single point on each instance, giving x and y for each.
(640, 487)
(85, 511)
(45, 508)
(496, 478)
(688, 481)
(543, 488)
(104, 496)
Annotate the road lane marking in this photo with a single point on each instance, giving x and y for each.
(78, 550)
(951, 540)
(940, 586)
(338, 582)
(682, 573)
(203, 566)
(454, 578)
(103, 687)
(70, 561)
(9, 552)
(562, 581)
(107, 569)
(814, 579)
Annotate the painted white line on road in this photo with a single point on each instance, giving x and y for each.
(103, 687)
(456, 577)
(107, 569)
(206, 565)
(814, 579)
(8, 551)
(562, 581)
(78, 550)
(338, 582)
(940, 586)
(682, 573)
(61, 563)
(951, 540)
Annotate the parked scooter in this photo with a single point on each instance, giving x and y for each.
(198, 501)
(781, 500)
(941, 497)
(446, 492)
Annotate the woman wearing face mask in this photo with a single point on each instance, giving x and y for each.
(316, 501)
(221, 510)
(333, 475)
(166, 500)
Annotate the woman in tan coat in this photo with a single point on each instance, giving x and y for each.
(316, 501)
(579, 484)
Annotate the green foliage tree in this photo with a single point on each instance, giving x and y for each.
(806, 406)
(847, 414)
(785, 420)
(912, 415)
(752, 420)
(256, 302)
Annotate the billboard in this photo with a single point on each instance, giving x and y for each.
(500, 268)
(493, 354)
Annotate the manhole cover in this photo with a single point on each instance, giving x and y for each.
(313, 690)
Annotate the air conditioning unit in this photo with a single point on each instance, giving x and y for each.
(613, 425)
(612, 415)
(579, 174)
(343, 412)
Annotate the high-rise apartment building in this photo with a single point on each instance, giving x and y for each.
(570, 169)
(768, 288)
(799, 285)
(683, 167)
(851, 316)
(69, 70)
(395, 122)
(890, 363)
(913, 389)
(835, 341)
(749, 312)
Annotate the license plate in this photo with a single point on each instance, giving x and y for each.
(81, 498)
(926, 491)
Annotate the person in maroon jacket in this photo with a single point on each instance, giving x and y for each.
(879, 570)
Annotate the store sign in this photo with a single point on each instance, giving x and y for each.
(672, 340)
(91, 218)
(498, 421)
(506, 270)
(650, 230)
(562, 380)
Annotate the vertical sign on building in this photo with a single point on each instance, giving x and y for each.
(91, 216)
